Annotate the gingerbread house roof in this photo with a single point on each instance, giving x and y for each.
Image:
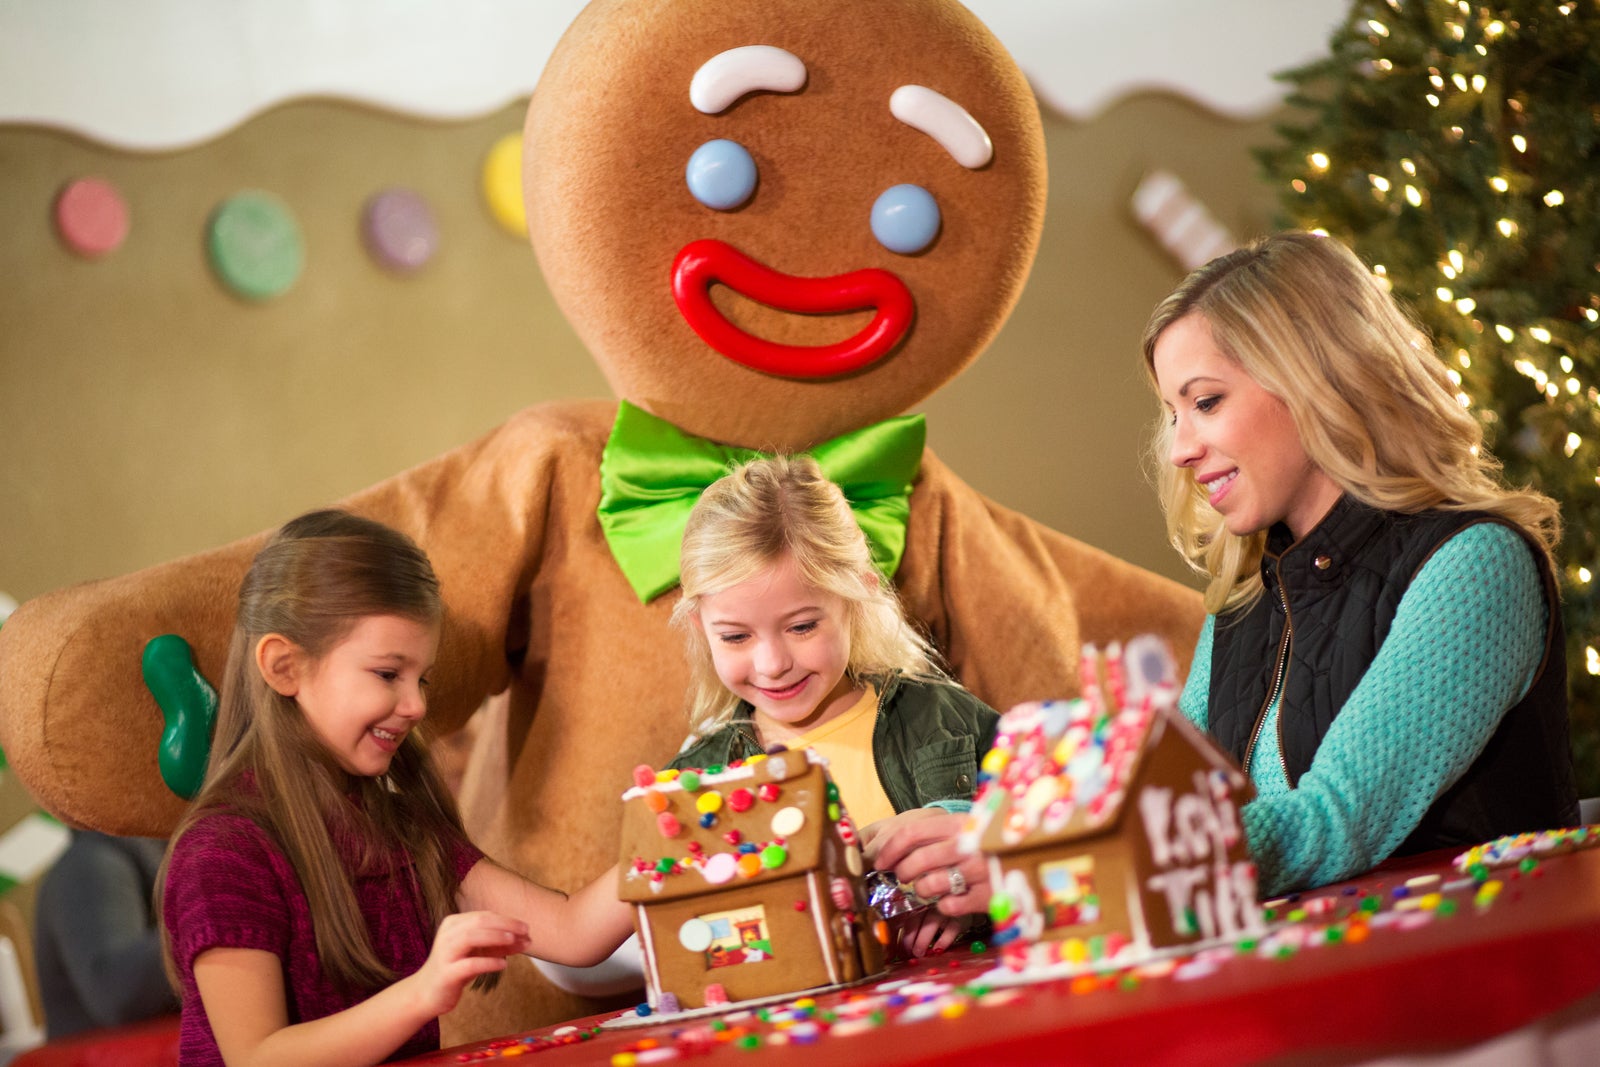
(1062, 770)
(688, 833)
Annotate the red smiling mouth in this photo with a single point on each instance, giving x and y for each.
(701, 264)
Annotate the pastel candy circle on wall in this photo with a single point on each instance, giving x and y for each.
(502, 185)
(91, 216)
(398, 229)
(255, 245)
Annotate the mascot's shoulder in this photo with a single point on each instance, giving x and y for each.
(560, 426)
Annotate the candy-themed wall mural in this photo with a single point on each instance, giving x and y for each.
(172, 73)
(258, 262)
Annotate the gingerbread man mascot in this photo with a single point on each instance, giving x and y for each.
(777, 225)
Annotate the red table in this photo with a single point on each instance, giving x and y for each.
(1433, 966)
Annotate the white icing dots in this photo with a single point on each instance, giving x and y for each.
(787, 821)
(695, 935)
(945, 121)
(727, 76)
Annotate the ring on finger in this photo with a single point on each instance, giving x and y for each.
(958, 881)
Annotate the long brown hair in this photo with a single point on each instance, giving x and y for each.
(311, 583)
(1373, 404)
(749, 520)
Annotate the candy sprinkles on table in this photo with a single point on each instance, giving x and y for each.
(1520, 849)
(1315, 921)
(925, 990)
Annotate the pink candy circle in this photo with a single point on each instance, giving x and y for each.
(720, 868)
(91, 216)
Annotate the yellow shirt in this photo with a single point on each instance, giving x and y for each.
(846, 743)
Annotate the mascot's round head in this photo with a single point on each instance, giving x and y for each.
(773, 221)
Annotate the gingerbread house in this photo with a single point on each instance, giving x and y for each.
(746, 881)
(1110, 822)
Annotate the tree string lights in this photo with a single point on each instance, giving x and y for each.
(1453, 146)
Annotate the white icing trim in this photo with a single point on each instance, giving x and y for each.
(732, 774)
(945, 121)
(727, 76)
(647, 944)
(1141, 929)
(824, 941)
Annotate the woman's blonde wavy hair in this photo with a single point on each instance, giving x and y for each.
(750, 520)
(1372, 402)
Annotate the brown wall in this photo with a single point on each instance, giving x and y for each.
(146, 413)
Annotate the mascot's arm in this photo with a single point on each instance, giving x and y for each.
(77, 723)
(82, 731)
(1010, 602)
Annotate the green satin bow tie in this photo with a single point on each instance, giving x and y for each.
(651, 474)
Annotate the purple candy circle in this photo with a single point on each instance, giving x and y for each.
(398, 228)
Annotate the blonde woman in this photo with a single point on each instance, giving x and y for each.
(1384, 650)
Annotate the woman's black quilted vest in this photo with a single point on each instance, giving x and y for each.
(1340, 586)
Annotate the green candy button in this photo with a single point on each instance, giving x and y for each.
(189, 708)
(255, 245)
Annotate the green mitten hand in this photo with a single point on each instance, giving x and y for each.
(189, 706)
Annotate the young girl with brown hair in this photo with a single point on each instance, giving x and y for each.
(321, 903)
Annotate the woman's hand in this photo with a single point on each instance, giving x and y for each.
(467, 945)
(882, 827)
(922, 853)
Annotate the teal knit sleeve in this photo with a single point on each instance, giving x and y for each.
(1196, 693)
(1467, 639)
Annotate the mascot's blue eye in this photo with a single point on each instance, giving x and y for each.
(905, 219)
(721, 175)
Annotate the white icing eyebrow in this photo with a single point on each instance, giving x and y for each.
(727, 76)
(945, 121)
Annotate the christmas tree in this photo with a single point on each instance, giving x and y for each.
(1453, 146)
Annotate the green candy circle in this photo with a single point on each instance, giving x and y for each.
(255, 245)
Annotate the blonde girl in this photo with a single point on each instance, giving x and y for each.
(796, 640)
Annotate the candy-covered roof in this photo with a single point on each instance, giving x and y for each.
(1062, 769)
(686, 833)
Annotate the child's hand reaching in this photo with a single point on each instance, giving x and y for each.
(467, 945)
(933, 933)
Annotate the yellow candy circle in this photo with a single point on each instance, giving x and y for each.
(502, 185)
(709, 803)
